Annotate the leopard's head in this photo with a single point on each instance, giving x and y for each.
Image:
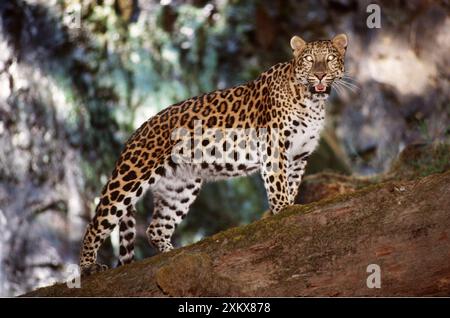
(318, 64)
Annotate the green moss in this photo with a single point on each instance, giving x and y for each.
(421, 160)
(242, 236)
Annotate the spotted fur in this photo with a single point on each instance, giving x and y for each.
(288, 99)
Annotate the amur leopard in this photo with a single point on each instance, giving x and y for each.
(278, 118)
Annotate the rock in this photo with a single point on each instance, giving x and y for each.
(320, 249)
(323, 186)
(193, 275)
(416, 160)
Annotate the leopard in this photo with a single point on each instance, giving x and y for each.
(279, 117)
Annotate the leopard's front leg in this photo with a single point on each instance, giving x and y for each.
(296, 171)
(274, 171)
(277, 189)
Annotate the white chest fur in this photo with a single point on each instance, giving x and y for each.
(306, 134)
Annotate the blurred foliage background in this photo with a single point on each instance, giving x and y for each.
(78, 76)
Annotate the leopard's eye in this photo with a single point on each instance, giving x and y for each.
(331, 57)
(309, 58)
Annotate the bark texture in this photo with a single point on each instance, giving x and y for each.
(318, 249)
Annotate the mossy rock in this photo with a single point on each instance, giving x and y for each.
(420, 160)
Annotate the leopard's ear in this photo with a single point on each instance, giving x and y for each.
(297, 45)
(340, 43)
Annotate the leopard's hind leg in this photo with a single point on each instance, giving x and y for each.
(172, 198)
(127, 236)
(117, 200)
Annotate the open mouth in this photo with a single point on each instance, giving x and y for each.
(320, 88)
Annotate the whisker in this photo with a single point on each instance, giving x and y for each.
(349, 78)
(356, 87)
(341, 88)
(338, 90)
(345, 87)
(351, 89)
(351, 86)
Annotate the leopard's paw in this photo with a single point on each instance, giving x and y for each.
(92, 269)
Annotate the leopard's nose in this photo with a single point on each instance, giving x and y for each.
(320, 75)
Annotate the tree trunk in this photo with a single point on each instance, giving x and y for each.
(319, 249)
